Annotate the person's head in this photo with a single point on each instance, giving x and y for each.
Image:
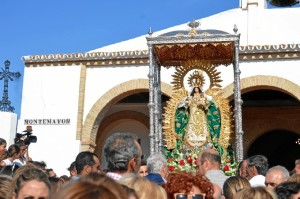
(13, 151)
(297, 166)
(208, 159)
(256, 192)
(39, 164)
(188, 183)
(290, 190)
(32, 183)
(123, 153)
(257, 165)
(50, 172)
(87, 162)
(72, 169)
(5, 183)
(3, 156)
(23, 148)
(275, 176)
(93, 185)
(2, 146)
(233, 185)
(16, 175)
(243, 169)
(64, 178)
(294, 178)
(131, 193)
(143, 171)
(196, 89)
(56, 184)
(157, 163)
(144, 188)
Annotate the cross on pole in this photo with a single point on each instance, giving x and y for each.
(6, 75)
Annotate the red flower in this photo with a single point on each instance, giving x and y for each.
(181, 163)
(226, 168)
(171, 168)
(170, 160)
(190, 160)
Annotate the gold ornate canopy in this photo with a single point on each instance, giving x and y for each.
(177, 54)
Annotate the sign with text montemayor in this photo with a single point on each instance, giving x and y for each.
(47, 121)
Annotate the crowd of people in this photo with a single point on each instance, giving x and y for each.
(127, 176)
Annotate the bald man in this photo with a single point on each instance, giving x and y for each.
(275, 176)
(208, 163)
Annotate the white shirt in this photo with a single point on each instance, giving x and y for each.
(258, 180)
(18, 162)
(7, 162)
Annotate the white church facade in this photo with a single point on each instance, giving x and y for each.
(74, 101)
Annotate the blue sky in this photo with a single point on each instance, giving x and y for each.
(35, 27)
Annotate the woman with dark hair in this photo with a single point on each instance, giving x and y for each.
(13, 153)
(2, 149)
(190, 184)
(288, 190)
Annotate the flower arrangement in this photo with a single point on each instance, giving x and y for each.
(182, 161)
(185, 160)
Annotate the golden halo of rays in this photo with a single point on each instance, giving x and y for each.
(206, 66)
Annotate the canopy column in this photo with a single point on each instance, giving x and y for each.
(158, 112)
(237, 105)
(151, 105)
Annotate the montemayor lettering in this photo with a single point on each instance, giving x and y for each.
(47, 121)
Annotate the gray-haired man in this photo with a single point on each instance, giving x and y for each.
(157, 168)
(123, 154)
(275, 176)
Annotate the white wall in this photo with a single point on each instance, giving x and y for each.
(257, 26)
(8, 127)
(52, 93)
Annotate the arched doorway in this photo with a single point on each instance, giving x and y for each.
(271, 126)
(279, 146)
(88, 132)
(129, 114)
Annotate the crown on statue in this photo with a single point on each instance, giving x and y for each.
(196, 79)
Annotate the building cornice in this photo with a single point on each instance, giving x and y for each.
(138, 57)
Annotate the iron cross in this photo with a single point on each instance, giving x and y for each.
(6, 75)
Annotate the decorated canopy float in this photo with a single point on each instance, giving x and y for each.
(197, 116)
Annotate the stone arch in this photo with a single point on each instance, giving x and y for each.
(265, 123)
(264, 82)
(103, 104)
(115, 118)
